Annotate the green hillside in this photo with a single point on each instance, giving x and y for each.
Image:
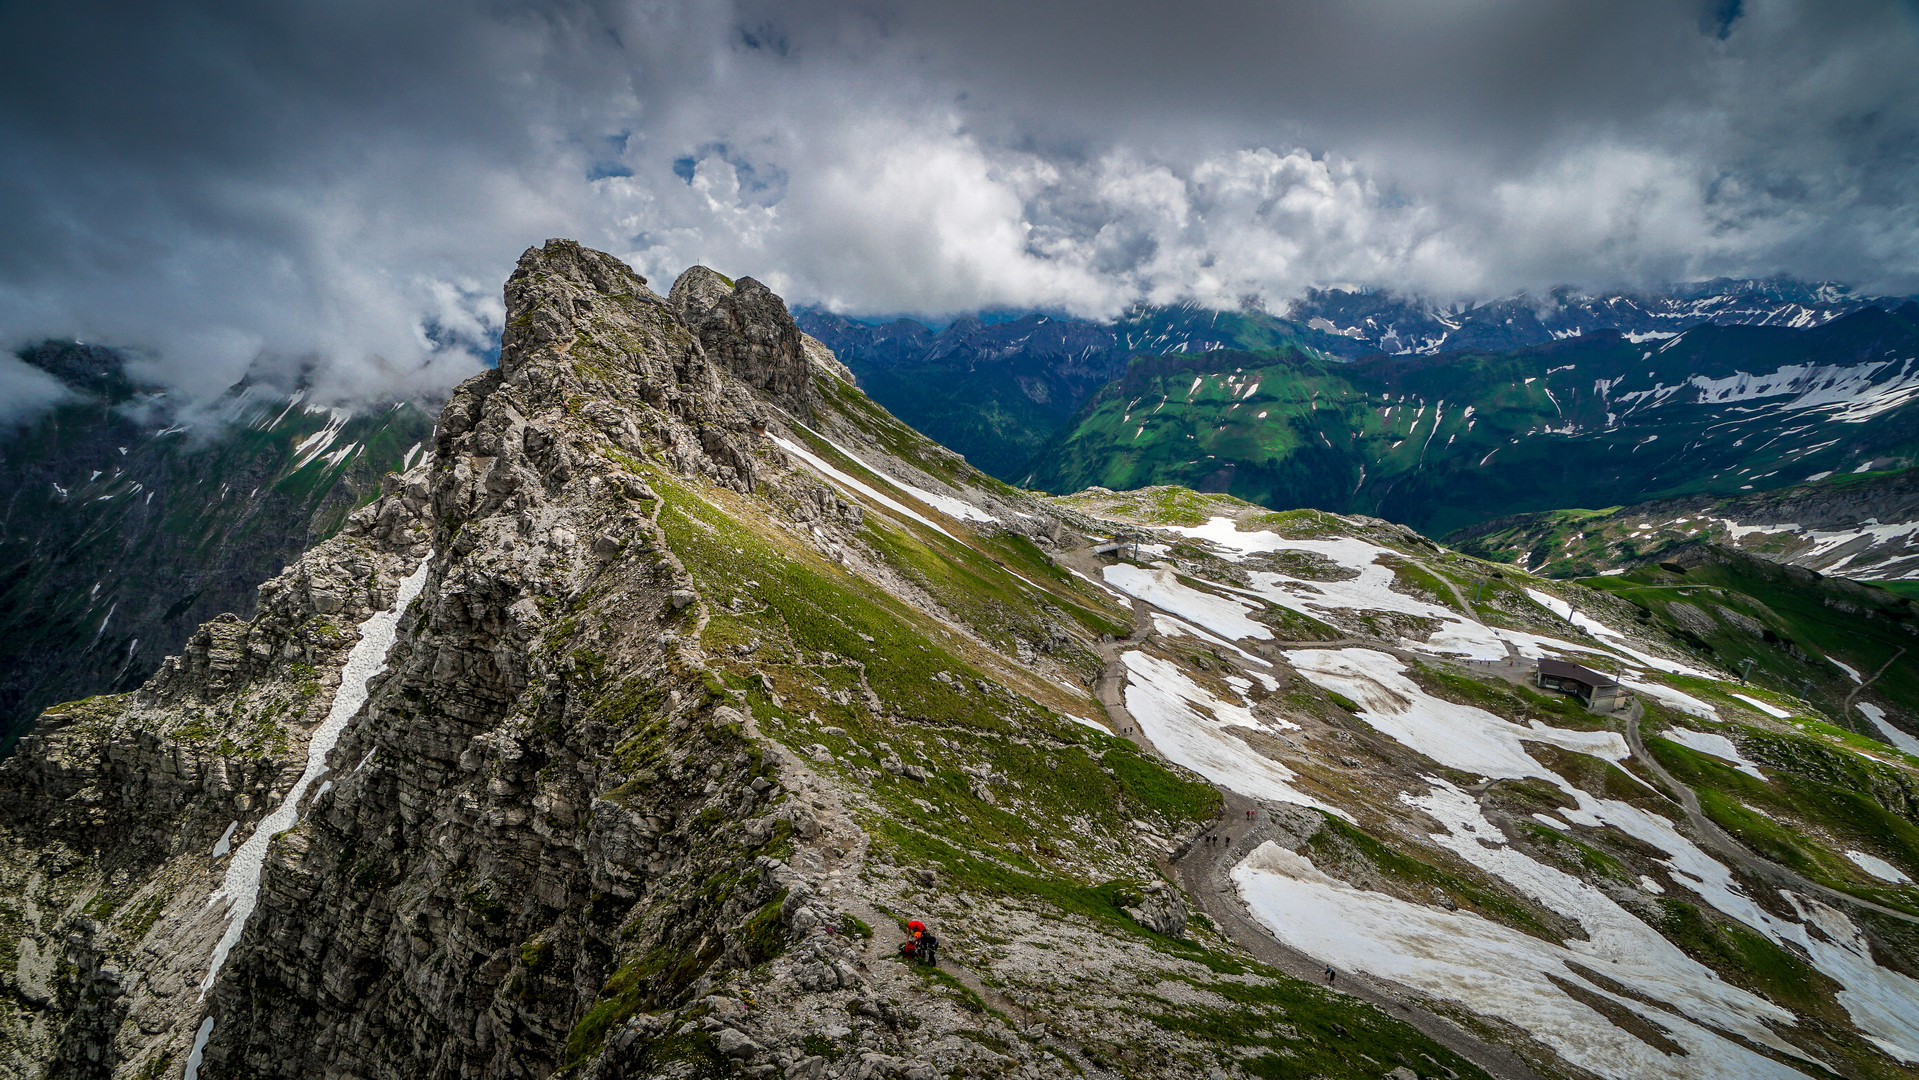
(1446, 441)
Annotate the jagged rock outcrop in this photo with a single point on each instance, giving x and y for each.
(1159, 908)
(540, 789)
(110, 809)
(747, 330)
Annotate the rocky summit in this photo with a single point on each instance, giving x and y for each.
(625, 733)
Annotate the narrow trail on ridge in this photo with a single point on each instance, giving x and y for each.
(1204, 871)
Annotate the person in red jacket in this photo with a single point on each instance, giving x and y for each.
(923, 946)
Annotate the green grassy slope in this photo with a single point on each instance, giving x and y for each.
(1795, 627)
(1443, 442)
(1820, 525)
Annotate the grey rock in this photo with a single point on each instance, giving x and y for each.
(747, 330)
(735, 1044)
(1162, 910)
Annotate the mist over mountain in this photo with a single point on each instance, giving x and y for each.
(128, 519)
(999, 391)
(203, 184)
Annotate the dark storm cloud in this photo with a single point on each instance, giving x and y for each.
(216, 182)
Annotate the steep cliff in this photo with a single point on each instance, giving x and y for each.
(120, 813)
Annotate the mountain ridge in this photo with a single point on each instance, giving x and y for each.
(664, 707)
(1571, 422)
(1014, 382)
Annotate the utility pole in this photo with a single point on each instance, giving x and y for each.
(1477, 592)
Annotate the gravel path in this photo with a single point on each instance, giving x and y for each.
(1204, 872)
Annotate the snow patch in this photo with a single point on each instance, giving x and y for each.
(1190, 726)
(1714, 746)
(241, 886)
(1459, 956)
(1892, 734)
(1878, 867)
(1163, 589)
(857, 486)
(1458, 736)
(1764, 707)
(1677, 699)
(945, 504)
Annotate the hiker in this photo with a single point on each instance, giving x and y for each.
(923, 946)
(1250, 813)
(1330, 974)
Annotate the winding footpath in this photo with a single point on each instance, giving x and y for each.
(1723, 844)
(1204, 872)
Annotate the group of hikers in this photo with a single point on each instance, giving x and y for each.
(1213, 838)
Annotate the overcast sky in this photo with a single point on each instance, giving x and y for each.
(351, 180)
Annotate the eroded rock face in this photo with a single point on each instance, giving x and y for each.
(112, 810)
(1162, 910)
(746, 329)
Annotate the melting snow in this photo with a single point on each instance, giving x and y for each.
(1892, 734)
(1371, 591)
(315, 444)
(1163, 589)
(1190, 726)
(1878, 867)
(367, 658)
(1172, 627)
(1770, 710)
(1618, 640)
(857, 486)
(1501, 972)
(945, 504)
(1454, 735)
(1678, 699)
(1714, 746)
(225, 843)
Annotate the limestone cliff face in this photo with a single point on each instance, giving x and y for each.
(110, 811)
(452, 907)
(746, 329)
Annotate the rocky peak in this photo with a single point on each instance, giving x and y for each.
(746, 328)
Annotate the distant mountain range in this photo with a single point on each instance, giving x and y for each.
(125, 523)
(1381, 322)
(1442, 442)
(997, 391)
(1863, 527)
